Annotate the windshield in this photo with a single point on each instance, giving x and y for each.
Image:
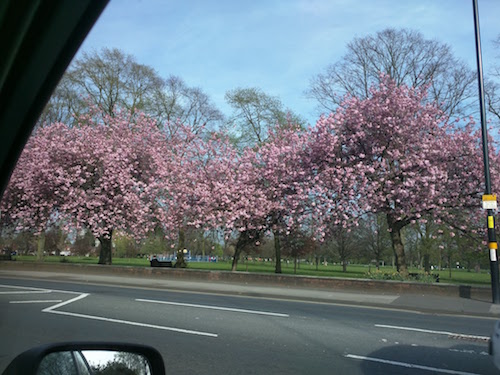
(264, 187)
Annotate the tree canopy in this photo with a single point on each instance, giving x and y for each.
(409, 59)
(123, 149)
(392, 153)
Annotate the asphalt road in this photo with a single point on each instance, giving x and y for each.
(206, 333)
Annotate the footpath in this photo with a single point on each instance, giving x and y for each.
(409, 296)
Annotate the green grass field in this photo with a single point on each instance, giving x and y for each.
(355, 271)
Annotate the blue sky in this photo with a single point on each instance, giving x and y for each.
(277, 45)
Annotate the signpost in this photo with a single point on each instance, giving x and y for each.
(489, 200)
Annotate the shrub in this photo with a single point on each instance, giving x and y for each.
(393, 275)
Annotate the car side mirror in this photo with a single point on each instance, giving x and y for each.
(88, 359)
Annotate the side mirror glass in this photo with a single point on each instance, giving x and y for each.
(112, 362)
(88, 359)
(94, 362)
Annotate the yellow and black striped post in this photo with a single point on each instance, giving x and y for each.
(493, 246)
(488, 202)
(492, 238)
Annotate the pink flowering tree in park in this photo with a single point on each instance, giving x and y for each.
(413, 162)
(281, 171)
(270, 188)
(465, 184)
(295, 195)
(28, 202)
(94, 176)
(219, 191)
(199, 185)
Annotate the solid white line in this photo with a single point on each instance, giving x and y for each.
(433, 332)
(40, 301)
(101, 318)
(215, 308)
(20, 287)
(50, 308)
(409, 365)
(34, 290)
(27, 292)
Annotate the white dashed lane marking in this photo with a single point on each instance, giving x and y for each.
(446, 333)
(257, 312)
(38, 301)
(26, 292)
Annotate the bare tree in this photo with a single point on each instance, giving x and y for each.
(341, 242)
(408, 58)
(109, 79)
(178, 103)
(64, 104)
(492, 87)
(492, 98)
(297, 244)
(255, 113)
(374, 237)
(113, 80)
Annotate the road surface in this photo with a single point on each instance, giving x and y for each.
(207, 333)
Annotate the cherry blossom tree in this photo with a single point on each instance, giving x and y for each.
(28, 202)
(392, 153)
(303, 194)
(413, 161)
(221, 191)
(100, 177)
(281, 171)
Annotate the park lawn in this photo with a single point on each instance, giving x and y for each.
(465, 277)
(331, 270)
(458, 276)
(136, 262)
(268, 267)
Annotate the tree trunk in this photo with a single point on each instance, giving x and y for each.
(295, 264)
(277, 249)
(245, 238)
(40, 246)
(427, 263)
(397, 245)
(449, 262)
(237, 252)
(181, 261)
(344, 266)
(240, 244)
(106, 246)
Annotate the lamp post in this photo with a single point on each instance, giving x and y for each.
(489, 201)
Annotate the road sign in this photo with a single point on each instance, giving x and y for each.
(489, 202)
